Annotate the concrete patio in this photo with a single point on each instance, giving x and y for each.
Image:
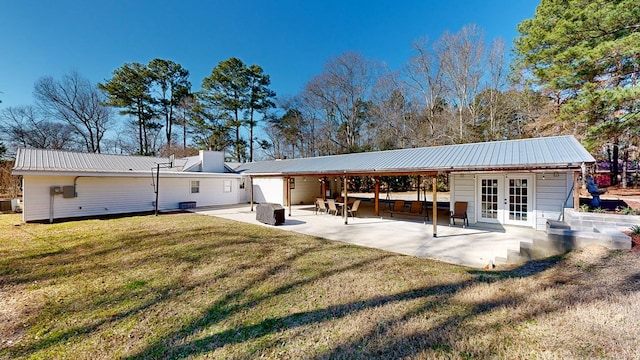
(475, 246)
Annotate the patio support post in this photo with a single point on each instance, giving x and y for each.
(345, 213)
(251, 191)
(576, 190)
(289, 194)
(418, 186)
(376, 200)
(435, 206)
(324, 188)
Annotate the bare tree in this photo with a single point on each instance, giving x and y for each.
(496, 82)
(342, 91)
(25, 126)
(391, 116)
(75, 101)
(462, 65)
(428, 89)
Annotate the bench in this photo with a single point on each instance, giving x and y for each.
(417, 208)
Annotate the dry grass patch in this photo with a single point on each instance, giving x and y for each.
(189, 286)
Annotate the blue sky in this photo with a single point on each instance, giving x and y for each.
(290, 39)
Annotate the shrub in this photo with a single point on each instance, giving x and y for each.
(635, 229)
(584, 208)
(627, 210)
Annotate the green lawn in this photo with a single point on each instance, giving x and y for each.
(189, 286)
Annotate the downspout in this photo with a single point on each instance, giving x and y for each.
(51, 207)
(157, 186)
(251, 191)
(75, 192)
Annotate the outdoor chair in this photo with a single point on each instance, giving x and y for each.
(416, 207)
(398, 206)
(320, 206)
(353, 210)
(332, 207)
(459, 212)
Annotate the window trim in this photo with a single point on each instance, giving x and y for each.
(192, 187)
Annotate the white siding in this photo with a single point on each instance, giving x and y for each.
(176, 190)
(463, 188)
(306, 191)
(550, 194)
(268, 190)
(244, 195)
(116, 195)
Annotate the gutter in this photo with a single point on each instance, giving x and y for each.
(405, 171)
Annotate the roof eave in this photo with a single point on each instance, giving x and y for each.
(147, 173)
(403, 171)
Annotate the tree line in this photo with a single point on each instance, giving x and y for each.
(72, 114)
(575, 70)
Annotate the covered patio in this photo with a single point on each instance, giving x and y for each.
(476, 246)
(522, 182)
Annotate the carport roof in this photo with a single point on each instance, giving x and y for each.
(558, 152)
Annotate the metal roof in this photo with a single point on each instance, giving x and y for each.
(537, 153)
(40, 162)
(36, 160)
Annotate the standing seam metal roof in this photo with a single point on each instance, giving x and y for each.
(60, 161)
(558, 151)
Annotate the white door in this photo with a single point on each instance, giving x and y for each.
(489, 198)
(506, 199)
(518, 200)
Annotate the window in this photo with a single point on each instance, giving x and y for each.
(227, 185)
(195, 186)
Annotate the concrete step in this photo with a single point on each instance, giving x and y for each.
(513, 257)
(531, 251)
(501, 260)
(554, 245)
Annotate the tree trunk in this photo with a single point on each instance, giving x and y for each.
(251, 136)
(237, 125)
(615, 169)
(184, 133)
(169, 129)
(140, 116)
(625, 159)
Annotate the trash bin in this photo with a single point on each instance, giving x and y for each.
(272, 214)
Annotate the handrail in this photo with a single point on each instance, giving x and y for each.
(564, 204)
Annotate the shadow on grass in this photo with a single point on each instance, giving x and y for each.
(433, 296)
(191, 339)
(232, 303)
(271, 325)
(71, 260)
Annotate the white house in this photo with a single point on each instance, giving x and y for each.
(60, 184)
(517, 182)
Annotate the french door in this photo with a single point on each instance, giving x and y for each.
(506, 199)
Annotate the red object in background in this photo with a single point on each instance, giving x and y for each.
(603, 180)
